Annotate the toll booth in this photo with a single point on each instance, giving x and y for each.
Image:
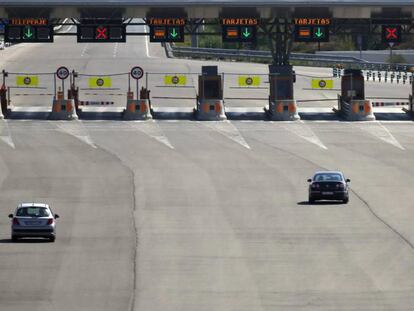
(282, 105)
(210, 104)
(352, 103)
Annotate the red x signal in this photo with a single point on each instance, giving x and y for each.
(391, 33)
(101, 33)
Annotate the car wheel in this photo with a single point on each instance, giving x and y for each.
(14, 238)
(52, 239)
(345, 201)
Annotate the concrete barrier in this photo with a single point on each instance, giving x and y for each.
(210, 110)
(137, 109)
(357, 110)
(63, 109)
(283, 110)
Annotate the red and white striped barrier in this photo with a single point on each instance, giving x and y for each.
(94, 103)
(383, 104)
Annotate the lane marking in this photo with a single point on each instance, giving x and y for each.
(75, 129)
(5, 135)
(85, 49)
(227, 129)
(300, 129)
(115, 50)
(147, 44)
(378, 130)
(153, 130)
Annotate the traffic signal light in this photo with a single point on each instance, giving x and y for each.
(391, 33)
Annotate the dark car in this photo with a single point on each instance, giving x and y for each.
(330, 185)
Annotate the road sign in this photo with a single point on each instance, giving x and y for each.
(311, 33)
(326, 84)
(137, 72)
(175, 80)
(62, 73)
(239, 29)
(249, 81)
(100, 82)
(166, 29)
(27, 81)
(391, 33)
(91, 30)
(28, 30)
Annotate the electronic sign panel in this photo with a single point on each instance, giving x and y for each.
(28, 30)
(166, 29)
(391, 33)
(239, 29)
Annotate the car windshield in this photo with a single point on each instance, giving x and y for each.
(328, 177)
(32, 212)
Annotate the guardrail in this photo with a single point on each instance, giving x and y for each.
(311, 59)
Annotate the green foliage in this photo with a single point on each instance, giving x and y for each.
(396, 59)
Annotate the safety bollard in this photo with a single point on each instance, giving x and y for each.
(63, 109)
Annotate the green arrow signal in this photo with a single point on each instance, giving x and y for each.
(246, 33)
(28, 34)
(319, 32)
(174, 33)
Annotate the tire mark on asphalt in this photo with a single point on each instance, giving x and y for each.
(370, 209)
(132, 300)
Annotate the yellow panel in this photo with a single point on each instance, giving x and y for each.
(322, 84)
(175, 80)
(27, 81)
(249, 80)
(100, 82)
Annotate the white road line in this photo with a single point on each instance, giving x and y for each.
(227, 129)
(303, 131)
(115, 50)
(76, 129)
(5, 135)
(147, 47)
(85, 49)
(69, 29)
(379, 131)
(152, 129)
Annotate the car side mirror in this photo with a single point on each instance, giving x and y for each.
(348, 180)
(309, 180)
(10, 215)
(56, 216)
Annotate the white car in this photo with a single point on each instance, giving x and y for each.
(33, 220)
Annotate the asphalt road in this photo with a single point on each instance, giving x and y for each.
(186, 215)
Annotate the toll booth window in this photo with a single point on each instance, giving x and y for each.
(212, 89)
(283, 89)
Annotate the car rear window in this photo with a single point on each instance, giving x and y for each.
(328, 177)
(32, 212)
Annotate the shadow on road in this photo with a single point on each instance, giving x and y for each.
(24, 241)
(304, 203)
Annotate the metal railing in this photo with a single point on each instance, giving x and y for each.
(310, 59)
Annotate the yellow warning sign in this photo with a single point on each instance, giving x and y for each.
(249, 80)
(175, 80)
(100, 82)
(322, 84)
(27, 81)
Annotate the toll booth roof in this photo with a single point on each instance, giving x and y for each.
(239, 3)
